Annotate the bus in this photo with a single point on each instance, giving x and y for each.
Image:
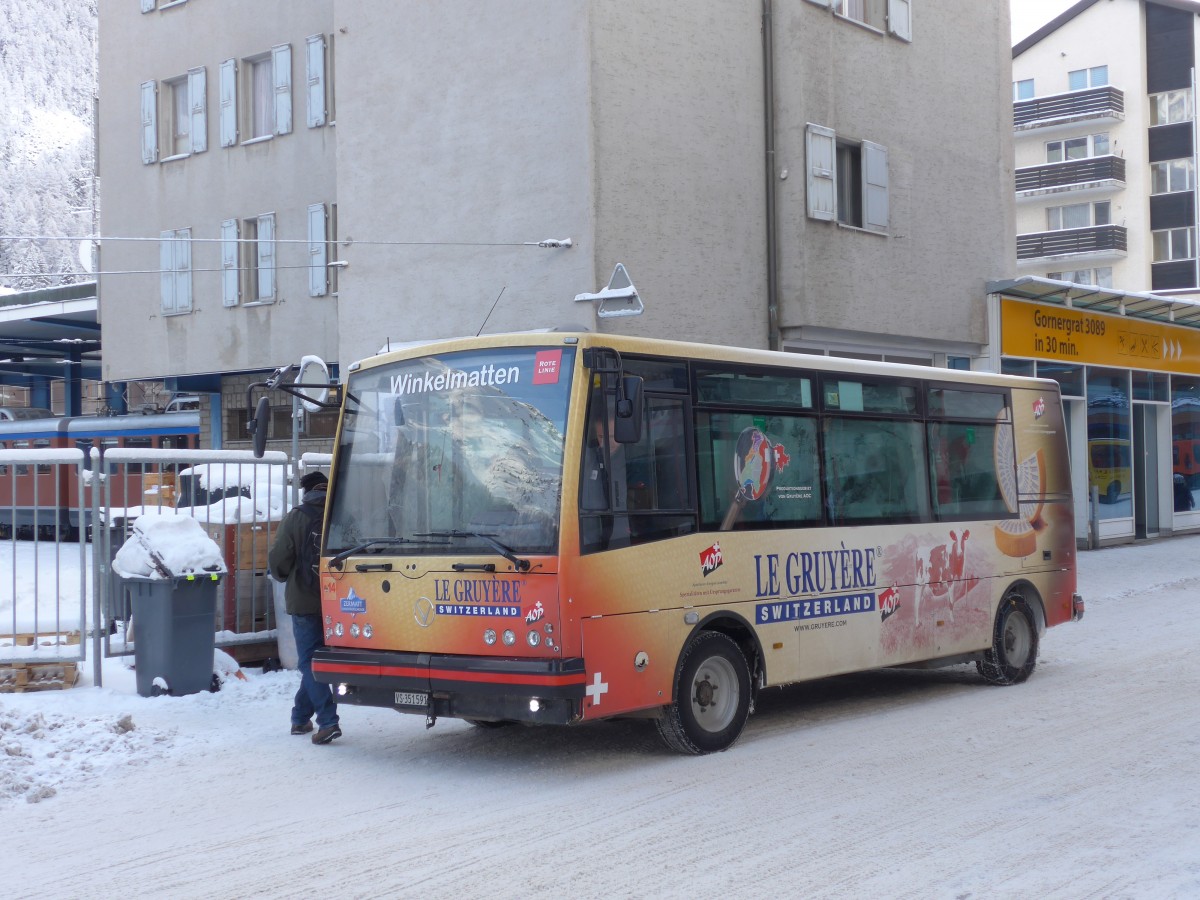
(555, 528)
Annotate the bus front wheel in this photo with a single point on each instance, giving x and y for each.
(1014, 644)
(712, 696)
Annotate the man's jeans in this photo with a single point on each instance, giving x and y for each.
(313, 697)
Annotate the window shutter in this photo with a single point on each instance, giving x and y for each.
(318, 270)
(149, 121)
(229, 262)
(875, 186)
(315, 68)
(227, 89)
(166, 270)
(147, 6)
(198, 102)
(821, 143)
(266, 256)
(281, 72)
(183, 270)
(900, 18)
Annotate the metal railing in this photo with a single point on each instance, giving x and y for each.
(1098, 103)
(65, 514)
(1077, 171)
(1070, 241)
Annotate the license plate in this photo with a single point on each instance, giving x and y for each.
(405, 698)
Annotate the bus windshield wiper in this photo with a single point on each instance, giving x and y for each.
(521, 564)
(377, 542)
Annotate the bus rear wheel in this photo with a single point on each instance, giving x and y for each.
(712, 697)
(1014, 644)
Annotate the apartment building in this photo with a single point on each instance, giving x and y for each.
(1108, 302)
(326, 177)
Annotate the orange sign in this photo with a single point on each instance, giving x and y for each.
(1048, 331)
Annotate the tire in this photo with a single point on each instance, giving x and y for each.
(1114, 491)
(712, 697)
(1014, 644)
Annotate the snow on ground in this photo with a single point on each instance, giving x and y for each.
(1080, 783)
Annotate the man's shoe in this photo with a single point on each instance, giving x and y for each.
(302, 728)
(325, 735)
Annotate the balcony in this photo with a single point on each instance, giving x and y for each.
(1101, 242)
(1097, 173)
(1102, 104)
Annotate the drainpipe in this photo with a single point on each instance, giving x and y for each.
(774, 338)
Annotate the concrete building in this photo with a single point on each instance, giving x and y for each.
(819, 175)
(1109, 303)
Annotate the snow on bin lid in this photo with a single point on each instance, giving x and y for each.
(164, 546)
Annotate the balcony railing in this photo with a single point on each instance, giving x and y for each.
(1075, 171)
(1069, 241)
(1094, 103)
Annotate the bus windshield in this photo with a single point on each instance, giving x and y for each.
(464, 445)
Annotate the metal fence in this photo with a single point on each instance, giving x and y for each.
(65, 514)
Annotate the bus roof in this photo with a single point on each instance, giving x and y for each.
(686, 350)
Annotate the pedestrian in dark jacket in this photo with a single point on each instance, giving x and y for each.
(304, 606)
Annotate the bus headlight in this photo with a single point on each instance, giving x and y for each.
(509, 638)
(354, 630)
(534, 638)
(368, 631)
(338, 629)
(489, 637)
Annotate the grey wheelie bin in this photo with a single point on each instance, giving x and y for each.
(173, 632)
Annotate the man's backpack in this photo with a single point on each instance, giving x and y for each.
(308, 550)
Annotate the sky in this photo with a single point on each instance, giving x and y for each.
(1030, 15)
(892, 783)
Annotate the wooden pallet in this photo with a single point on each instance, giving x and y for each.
(19, 677)
(40, 639)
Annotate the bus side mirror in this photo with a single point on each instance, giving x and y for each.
(627, 429)
(258, 426)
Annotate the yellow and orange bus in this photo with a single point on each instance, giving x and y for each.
(556, 528)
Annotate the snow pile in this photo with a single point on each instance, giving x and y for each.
(41, 750)
(176, 544)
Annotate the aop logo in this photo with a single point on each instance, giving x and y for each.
(711, 560)
(423, 611)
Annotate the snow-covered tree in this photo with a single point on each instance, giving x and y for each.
(47, 151)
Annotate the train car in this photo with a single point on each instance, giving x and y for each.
(42, 499)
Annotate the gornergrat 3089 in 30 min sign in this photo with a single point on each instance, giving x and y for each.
(1047, 331)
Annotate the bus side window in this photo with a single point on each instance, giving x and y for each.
(757, 471)
(875, 471)
(634, 493)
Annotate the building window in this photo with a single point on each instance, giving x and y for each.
(1174, 243)
(184, 118)
(869, 12)
(1077, 148)
(1100, 277)
(1081, 79)
(268, 90)
(175, 270)
(1172, 175)
(847, 180)
(1023, 90)
(891, 16)
(1078, 215)
(1170, 107)
(261, 104)
(258, 249)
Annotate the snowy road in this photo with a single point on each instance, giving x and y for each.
(1080, 783)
